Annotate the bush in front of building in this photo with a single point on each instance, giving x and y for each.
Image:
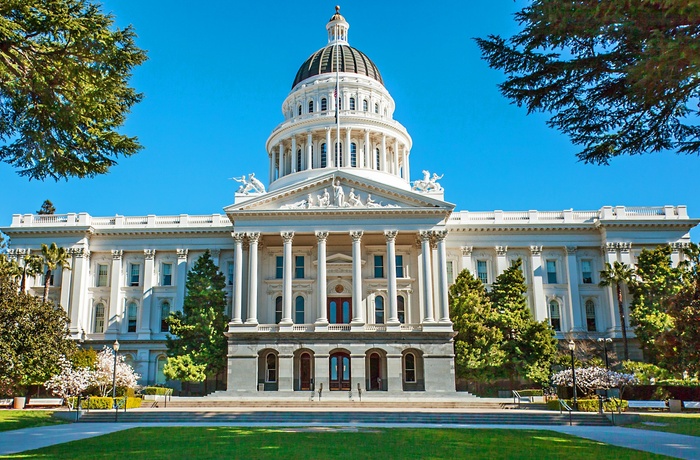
(105, 402)
(159, 391)
(588, 405)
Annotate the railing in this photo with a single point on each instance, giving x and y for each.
(563, 406)
(517, 397)
(338, 327)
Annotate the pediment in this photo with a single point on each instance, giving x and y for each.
(338, 259)
(339, 191)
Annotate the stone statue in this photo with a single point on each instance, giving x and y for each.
(338, 194)
(324, 199)
(252, 185)
(371, 203)
(428, 183)
(353, 200)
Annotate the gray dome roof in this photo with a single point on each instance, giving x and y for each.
(324, 60)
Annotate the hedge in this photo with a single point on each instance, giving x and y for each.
(160, 391)
(531, 392)
(587, 405)
(106, 402)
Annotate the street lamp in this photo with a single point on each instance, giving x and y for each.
(114, 380)
(572, 347)
(605, 343)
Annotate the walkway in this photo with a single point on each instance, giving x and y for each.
(674, 445)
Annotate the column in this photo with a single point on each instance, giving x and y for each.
(625, 255)
(80, 256)
(309, 151)
(408, 164)
(427, 278)
(367, 151)
(287, 274)
(444, 306)
(330, 152)
(675, 254)
(390, 236)
(281, 160)
(610, 254)
(346, 152)
(501, 259)
(383, 167)
(237, 277)
(144, 329)
(215, 255)
(467, 259)
(321, 262)
(253, 238)
(285, 369)
(272, 166)
(537, 283)
(573, 278)
(396, 157)
(403, 163)
(357, 310)
(114, 287)
(181, 278)
(294, 154)
(65, 287)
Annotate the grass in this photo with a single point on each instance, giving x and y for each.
(328, 443)
(17, 419)
(673, 423)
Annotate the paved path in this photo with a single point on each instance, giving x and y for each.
(674, 445)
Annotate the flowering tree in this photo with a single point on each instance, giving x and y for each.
(103, 374)
(70, 381)
(589, 379)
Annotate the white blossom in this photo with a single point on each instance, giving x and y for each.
(589, 379)
(69, 382)
(104, 372)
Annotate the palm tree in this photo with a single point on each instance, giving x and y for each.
(32, 266)
(616, 275)
(9, 268)
(54, 257)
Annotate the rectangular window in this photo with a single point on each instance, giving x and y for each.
(551, 272)
(99, 318)
(379, 266)
(229, 273)
(132, 311)
(101, 275)
(554, 315)
(134, 270)
(167, 275)
(482, 271)
(450, 272)
(586, 272)
(299, 267)
(279, 267)
(399, 267)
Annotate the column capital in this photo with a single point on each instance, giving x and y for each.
(287, 237)
(501, 250)
(237, 236)
(182, 253)
(117, 254)
(149, 254)
(610, 248)
(215, 252)
(535, 250)
(321, 236)
(425, 235)
(356, 235)
(466, 250)
(80, 252)
(253, 237)
(624, 247)
(571, 250)
(390, 235)
(440, 235)
(678, 246)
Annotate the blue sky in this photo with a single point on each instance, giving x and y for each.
(218, 72)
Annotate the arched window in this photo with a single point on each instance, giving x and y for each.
(401, 309)
(352, 103)
(132, 315)
(353, 155)
(409, 363)
(379, 310)
(164, 314)
(365, 105)
(299, 310)
(376, 108)
(340, 102)
(324, 104)
(160, 366)
(377, 158)
(590, 316)
(299, 160)
(338, 155)
(278, 310)
(324, 156)
(311, 106)
(99, 319)
(271, 368)
(554, 317)
(299, 110)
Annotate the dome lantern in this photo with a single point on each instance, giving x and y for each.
(337, 28)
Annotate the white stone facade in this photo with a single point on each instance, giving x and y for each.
(338, 275)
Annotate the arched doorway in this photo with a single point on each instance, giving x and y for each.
(375, 372)
(305, 372)
(340, 371)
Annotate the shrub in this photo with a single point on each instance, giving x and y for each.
(587, 405)
(160, 391)
(106, 402)
(531, 392)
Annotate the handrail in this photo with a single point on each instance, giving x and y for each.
(562, 406)
(516, 395)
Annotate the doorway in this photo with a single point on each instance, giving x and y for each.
(305, 372)
(340, 372)
(339, 309)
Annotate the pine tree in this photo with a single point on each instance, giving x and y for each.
(477, 344)
(47, 208)
(199, 342)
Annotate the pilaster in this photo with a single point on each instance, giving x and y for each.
(112, 328)
(144, 330)
(572, 276)
(540, 309)
(444, 305)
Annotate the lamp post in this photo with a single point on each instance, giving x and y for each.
(572, 347)
(114, 380)
(605, 343)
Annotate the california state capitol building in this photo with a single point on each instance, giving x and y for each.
(338, 262)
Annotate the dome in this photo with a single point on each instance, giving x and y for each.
(350, 60)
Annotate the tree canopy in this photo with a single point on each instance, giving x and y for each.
(47, 208)
(64, 93)
(620, 77)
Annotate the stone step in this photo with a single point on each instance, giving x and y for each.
(276, 404)
(340, 417)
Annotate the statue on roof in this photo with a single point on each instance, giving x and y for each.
(428, 183)
(252, 185)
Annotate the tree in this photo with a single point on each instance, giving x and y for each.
(64, 72)
(616, 275)
(32, 266)
(71, 381)
(54, 257)
(47, 208)
(478, 341)
(620, 77)
(33, 338)
(529, 346)
(199, 328)
(103, 376)
(589, 379)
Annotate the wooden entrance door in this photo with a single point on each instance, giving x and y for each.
(375, 372)
(340, 371)
(305, 372)
(339, 310)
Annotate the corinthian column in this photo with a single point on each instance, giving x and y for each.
(390, 236)
(287, 237)
(442, 276)
(427, 278)
(321, 238)
(357, 316)
(253, 278)
(237, 277)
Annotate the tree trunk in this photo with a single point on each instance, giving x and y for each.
(47, 281)
(622, 322)
(23, 284)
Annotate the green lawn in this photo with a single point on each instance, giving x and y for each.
(16, 419)
(308, 443)
(673, 423)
